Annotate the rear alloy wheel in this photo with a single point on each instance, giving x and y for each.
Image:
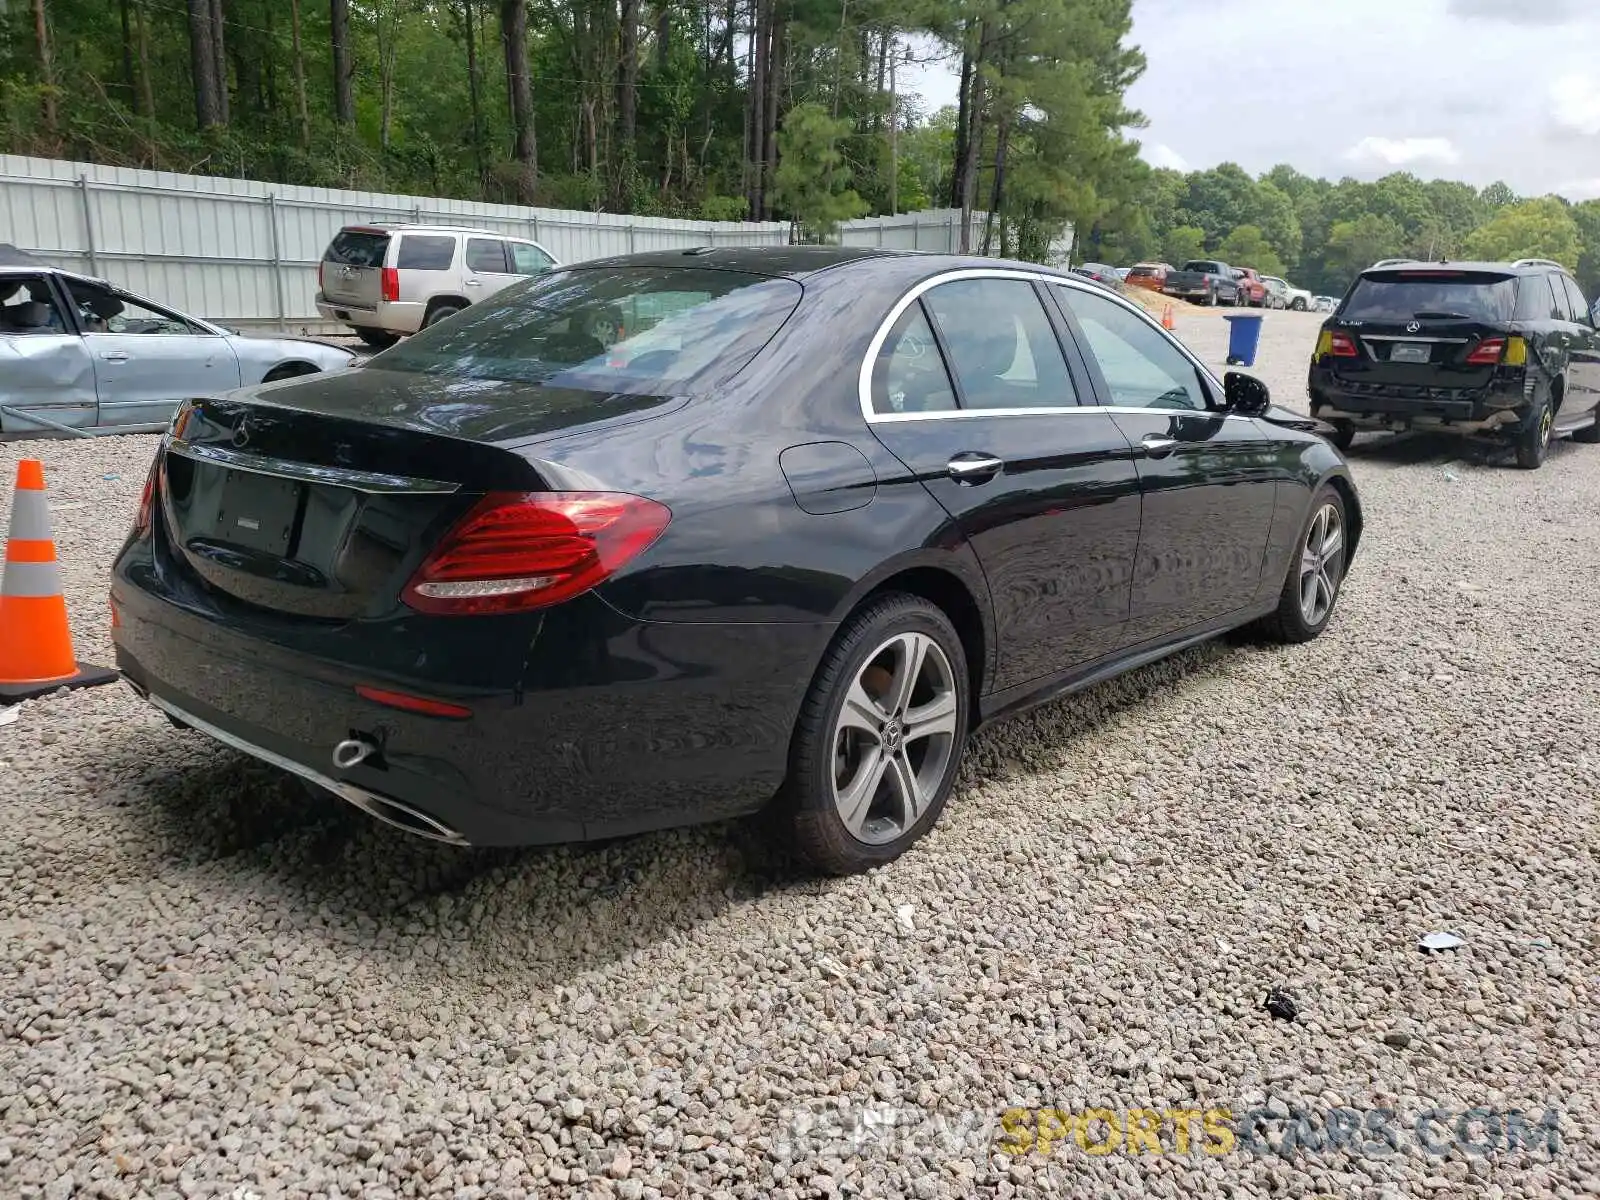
(435, 315)
(880, 736)
(1315, 576)
(1299, 305)
(1533, 440)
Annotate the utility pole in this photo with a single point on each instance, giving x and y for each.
(894, 138)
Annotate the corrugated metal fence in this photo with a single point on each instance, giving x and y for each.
(246, 252)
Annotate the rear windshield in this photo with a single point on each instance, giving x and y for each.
(1204, 268)
(1144, 272)
(426, 252)
(646, 330)
(1439, 295)
(358, 248)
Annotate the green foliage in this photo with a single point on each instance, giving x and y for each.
(1530, 229)
(1184, 243)
(812, 180)
(724, 208)
(1247, 246)
(1355, 245)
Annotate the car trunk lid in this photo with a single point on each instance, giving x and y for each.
(319, 498)
(352, 267)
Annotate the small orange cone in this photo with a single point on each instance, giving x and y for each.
(1166, 319)
(35, 643)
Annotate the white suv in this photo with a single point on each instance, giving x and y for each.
(387, 280)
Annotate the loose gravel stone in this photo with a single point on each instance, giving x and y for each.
(214, 985)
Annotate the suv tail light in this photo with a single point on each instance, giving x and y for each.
(1492, 352)
(391, 283)
(1333, 344)
(516, 551)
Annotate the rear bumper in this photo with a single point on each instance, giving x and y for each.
(1495, 410)
(392, 316)
(600, 726)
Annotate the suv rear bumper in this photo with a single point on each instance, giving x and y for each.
(391, 316)
(1489, 411)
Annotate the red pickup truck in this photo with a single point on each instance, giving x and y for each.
(1252, 288)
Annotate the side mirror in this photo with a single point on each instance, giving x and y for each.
(1245, 394)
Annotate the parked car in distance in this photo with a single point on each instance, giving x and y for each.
(1150, 276)
(384, 281)
(1507, 352)
(815, 516)
(1324, 304)
(1122, 273)
(1288, 296)
(1099, 272)
(1252, 289)
(1204, 281)
(82, 353)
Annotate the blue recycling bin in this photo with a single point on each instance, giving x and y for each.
(1244, 338)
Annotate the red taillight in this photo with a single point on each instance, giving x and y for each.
(147, 501)
(409, 703)
(391, 283)
(518, 551)
(1488, 353)
(1342, 345)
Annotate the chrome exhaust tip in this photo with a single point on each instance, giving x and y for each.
(404, 817)
(352, 752)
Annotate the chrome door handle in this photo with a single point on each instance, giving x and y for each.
(974, 468)
(115, 356)
(1157, 446)
(473, 282)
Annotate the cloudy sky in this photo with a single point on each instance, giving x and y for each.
(1464, 89)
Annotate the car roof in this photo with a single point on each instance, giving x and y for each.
(1490, 268)
(797, 262)
(409, 227)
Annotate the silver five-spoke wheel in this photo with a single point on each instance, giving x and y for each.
(894, 738)
(1320, 562)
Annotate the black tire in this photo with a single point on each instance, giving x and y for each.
(1212, 299)
(814, 823)
(1299, 305)
(1590, 433)
(1290, 623)
(440, 311)
(1533, 439)
(378, 339)
(288, 371)
(1343, 435)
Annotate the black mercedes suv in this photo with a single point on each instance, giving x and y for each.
(1506, 352)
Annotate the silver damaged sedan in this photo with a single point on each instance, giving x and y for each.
(80, 354)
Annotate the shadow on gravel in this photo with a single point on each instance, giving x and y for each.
(255, 842)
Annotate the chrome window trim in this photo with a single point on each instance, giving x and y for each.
(1400, 337)
(370, 482)
(875, 348)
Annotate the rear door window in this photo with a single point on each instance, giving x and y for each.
(1002, 348)
(28, 306)
(358, 248)
(426, 252)
(1580, 306)
(1141, 366)
(910, 375)
(644, 330)
(487, 255)
(1403, 296)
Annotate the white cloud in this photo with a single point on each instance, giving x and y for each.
(1579, 190)
(1575, 104)
(1403, 152)
(1162, 155)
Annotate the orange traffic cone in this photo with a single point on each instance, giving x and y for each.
(35, 643)
(1166, 319)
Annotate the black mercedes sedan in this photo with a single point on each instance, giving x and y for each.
(675, 537)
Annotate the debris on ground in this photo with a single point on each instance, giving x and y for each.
(1281, 1005)
(1441, 941)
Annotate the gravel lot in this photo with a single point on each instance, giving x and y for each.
(214, 987)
